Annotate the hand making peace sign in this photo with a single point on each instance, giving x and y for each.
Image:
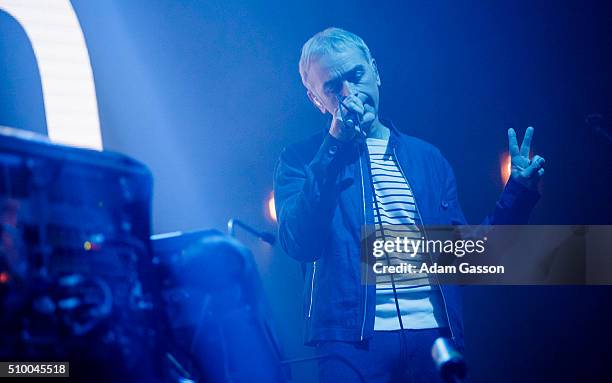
(525, 171)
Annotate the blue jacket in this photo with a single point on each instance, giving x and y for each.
(322, 195)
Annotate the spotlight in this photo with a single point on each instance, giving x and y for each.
(506, 167)
(270, 207)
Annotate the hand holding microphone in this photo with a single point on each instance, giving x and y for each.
(349, 118)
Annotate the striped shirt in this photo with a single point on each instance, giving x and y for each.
(396, 215)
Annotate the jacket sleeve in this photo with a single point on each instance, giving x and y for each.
(512, 208)
(305, 196)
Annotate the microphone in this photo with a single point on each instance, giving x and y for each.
(448, 360)
(351, 118)
(263, 235)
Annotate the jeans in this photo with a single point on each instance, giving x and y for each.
(385, 358)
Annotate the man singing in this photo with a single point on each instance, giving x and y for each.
(363, 171)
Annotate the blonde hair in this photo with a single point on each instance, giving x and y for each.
(329, 40)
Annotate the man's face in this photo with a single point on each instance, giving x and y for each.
(342, 74)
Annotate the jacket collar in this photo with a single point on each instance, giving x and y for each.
(394, 136)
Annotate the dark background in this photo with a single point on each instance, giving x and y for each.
(206, 94)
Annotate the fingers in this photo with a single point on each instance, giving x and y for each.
(339, 129)
(513, 143)
(541, 172)
(535, 166)
(526, 145)
(368, 117)
(342, 114)
(353, 103)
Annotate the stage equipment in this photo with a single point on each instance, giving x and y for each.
(75, 268)
(448, 360)
(263, 235)
(215, 306)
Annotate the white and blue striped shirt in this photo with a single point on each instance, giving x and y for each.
(395, 215)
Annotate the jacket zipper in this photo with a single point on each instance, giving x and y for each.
(314, 271)
(450, 326)
(365, 293)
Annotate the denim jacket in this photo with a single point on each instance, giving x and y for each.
(323, 199)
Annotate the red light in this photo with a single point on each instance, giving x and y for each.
(271, 208)
(506, 168)
(4, 277)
